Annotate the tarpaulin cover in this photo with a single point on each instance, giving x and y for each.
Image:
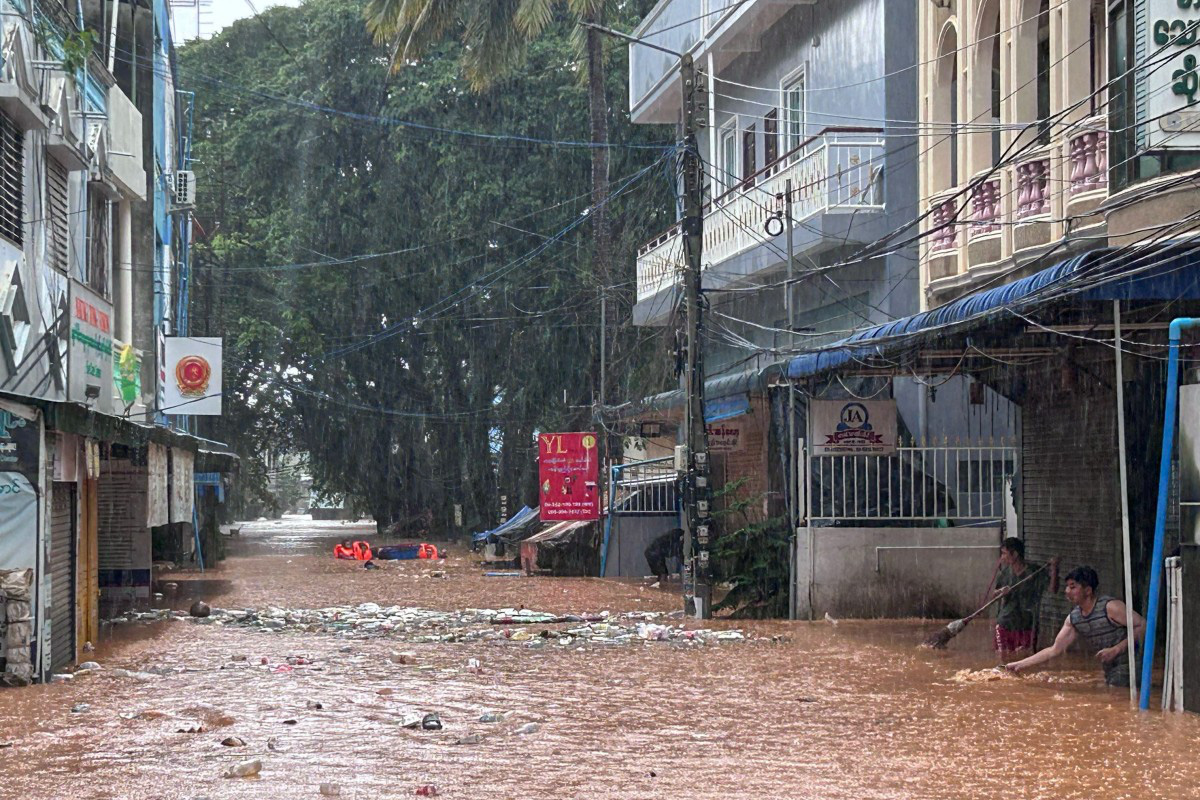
(725, 397)
(512, 523)
(18, 522)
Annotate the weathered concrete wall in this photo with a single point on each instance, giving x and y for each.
(914, 582)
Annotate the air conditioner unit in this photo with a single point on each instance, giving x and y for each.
(183, 186)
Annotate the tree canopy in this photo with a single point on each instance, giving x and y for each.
(400, 266)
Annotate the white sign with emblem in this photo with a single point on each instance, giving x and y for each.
(193, 376)
(853, 427)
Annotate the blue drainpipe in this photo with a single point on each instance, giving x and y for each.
(612, 476)
(1160, 514)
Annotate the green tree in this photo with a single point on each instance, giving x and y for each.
(751, 555)
(496, 35)
(415, 378)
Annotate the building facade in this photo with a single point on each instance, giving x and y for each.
(92, 255)
(820, 98)
(1060, 146)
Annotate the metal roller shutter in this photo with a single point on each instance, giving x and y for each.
(62, 575)
(1070, 504)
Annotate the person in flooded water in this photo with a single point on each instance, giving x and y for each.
(1100, 621)
(668, 545)
(1016, 617)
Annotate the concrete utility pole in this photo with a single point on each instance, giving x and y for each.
(697, 487)
(697, 528)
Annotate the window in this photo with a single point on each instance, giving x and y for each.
(954, 119)
(57, 228)
(944, 112)
(996, 97)
(729, 156)
(1098, 43)
(749, 155)
(1043, 71)
(99, 253)
(771, 137)
(794, 111)
(12, 181)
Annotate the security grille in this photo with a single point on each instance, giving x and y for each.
(12, 180)
(644, 487)
(58, 231)
(923, 483)
(100, 254)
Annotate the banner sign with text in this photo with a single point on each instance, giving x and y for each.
(1169, 85)
(853, 427)
(20, 462)
(568, 466)
(724, 437)
(90, 355)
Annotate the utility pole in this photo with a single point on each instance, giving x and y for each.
(794, 454)
(697, 584)
(697, 486)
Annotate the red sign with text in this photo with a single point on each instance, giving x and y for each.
(568, 465)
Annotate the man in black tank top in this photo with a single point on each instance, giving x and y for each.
(1099, 621)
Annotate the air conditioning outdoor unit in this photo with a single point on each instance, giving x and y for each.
(184, 187)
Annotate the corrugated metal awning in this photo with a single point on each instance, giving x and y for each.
(1146, 274)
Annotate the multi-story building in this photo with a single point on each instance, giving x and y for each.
(819, 98)
(1058, 185)
(810, 95)
(92, 246)
(1058, 150)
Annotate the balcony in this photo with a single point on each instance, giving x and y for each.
(1004, 217)
(839, 172)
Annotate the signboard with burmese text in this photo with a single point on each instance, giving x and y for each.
(568, 467)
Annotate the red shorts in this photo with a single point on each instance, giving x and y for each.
(1013, 640)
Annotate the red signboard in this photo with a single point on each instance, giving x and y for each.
(568, 464)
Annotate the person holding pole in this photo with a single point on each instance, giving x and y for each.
(1016, 617)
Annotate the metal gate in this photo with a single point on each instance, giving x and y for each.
(1070, 497)
(62, 575)
(645, 495)
(918, 483)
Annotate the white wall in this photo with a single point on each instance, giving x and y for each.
(930, 582)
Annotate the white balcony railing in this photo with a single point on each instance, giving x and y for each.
(836, 171)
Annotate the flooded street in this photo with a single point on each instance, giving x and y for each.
(795, 710)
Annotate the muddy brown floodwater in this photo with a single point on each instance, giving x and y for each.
(799, 710)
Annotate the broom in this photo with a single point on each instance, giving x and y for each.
(941, 638)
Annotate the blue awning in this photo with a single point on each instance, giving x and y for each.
(1095, 275)
(725, 397)
(726, 407)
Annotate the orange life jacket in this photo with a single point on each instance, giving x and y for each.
(427, 551)
(362, 551)
(341, 551)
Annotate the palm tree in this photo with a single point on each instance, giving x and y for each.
(494, 34)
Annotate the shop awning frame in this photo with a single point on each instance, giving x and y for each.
(1162, 274)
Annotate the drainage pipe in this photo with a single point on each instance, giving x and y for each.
(1160, 513)
(612, 481)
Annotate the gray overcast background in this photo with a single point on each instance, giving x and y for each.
(215, 15)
